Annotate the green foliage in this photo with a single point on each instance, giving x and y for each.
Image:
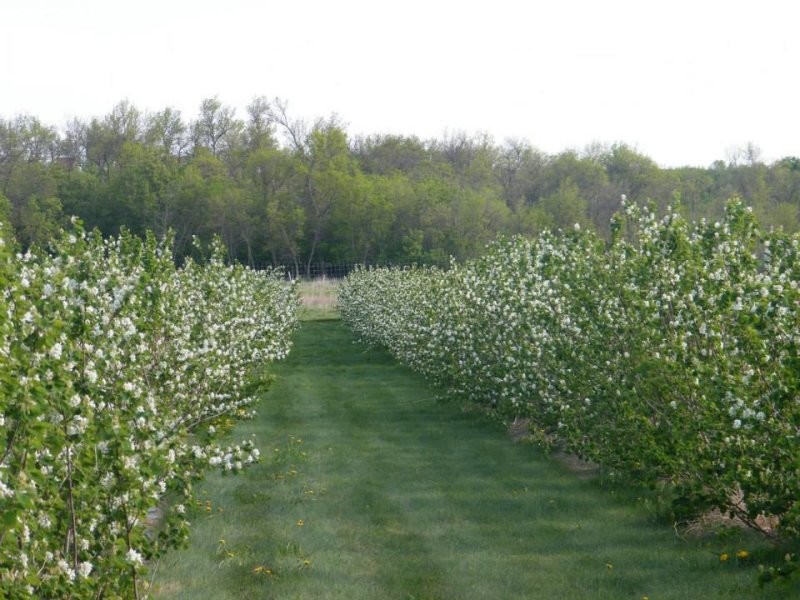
(5, 209)
(287, 192)
(564, 207)
(39, 221)
(667, 355)
(116, 368)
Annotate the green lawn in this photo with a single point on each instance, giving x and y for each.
(371, 489)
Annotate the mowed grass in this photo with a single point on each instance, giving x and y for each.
(371, 489)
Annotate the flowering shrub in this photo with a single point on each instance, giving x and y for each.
(669, 354)
(114, 369)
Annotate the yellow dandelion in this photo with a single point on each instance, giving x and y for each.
(742, 554)
(724, 556)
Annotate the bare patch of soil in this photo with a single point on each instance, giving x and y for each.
(520, 430)
(581, 468)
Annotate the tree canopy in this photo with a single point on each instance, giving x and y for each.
(284, 191)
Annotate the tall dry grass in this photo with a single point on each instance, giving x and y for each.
(318, 298)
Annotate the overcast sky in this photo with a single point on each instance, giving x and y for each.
(684, 81)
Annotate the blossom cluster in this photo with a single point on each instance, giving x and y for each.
(114, 368)
(668, 354)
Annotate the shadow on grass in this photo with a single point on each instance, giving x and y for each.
(326, 343)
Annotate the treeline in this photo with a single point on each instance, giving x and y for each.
(280, 190)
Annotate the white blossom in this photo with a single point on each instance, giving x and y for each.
(5, 491)
(85, 569)
(56, 350)
(134, 557)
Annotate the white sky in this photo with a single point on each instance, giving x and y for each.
(683, 81)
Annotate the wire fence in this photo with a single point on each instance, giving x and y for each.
(325, 270)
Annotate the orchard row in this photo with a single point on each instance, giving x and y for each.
(117, 373)
(668, 355)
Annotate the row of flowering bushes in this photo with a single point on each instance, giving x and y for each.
(669, 354)
(115, 368)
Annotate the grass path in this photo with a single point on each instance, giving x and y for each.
(371, 489)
